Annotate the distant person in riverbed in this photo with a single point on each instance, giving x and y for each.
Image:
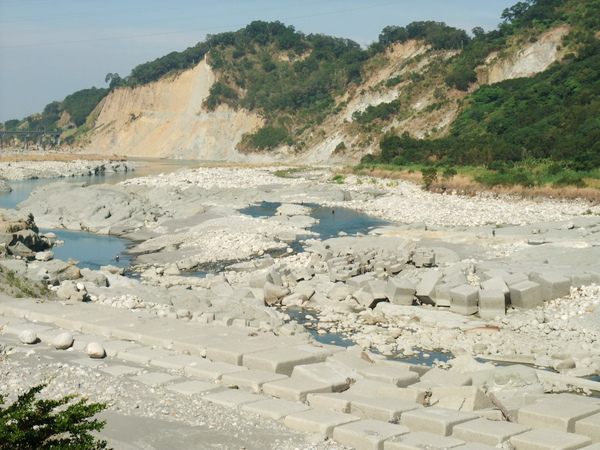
(332, 210)
(117, 257)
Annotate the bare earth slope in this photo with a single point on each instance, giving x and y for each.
(165, 119)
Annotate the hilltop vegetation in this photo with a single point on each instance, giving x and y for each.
(302, 86)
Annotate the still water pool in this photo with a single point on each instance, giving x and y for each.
(331, 221)
(92, 251)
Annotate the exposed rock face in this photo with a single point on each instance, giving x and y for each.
(166, 119)
(531, 59)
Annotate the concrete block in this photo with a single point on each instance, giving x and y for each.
(440, 421)
(212, 370)
(193, 387)
(114, 347)
(496, 283)
(384, 409)
(274, 409)
(260, 279)
(295, 389)
(337, 401)
(492, 303)
(442, 294)
(340, 291)
(456, 278)
(487, 432)
(398, 376)
(352, 359)
(581, 279)
(279, 360)
(319, 421)
(320, 351)
(559, 413)
(464, 299)
(440, 377)
(406, 394)
(589, 426)
(474, 446)
(526, 295)
(394, 267)
(232, 398)
(177, 362)
(402, 365)
(515, 278)
(425, 289)
(338, 376)
(460, 398)
(143, 355)
(400, 291)
(485, 275)
(367, 434)
(592, 447)
(423, 258)
(549, 440)
(360, 281)
(421, 440)
(251, 379)
(553, 285)
(119, 370)
(233, 352)
(154, 378)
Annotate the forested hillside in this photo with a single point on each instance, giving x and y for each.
(416, 96)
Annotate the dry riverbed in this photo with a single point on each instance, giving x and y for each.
(188, 218)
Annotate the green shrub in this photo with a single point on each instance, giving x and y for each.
(430, 176)
(340, 147)
(267, 138)
(569, 179)
(30, 424)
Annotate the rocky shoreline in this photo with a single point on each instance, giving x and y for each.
(496, 278)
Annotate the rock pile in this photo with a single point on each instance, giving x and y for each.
(19, 236)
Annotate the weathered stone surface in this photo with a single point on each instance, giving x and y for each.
(95, 350)
(273, 294)
(63, 341)
(70, 290)
(28, 336)
(44, 256)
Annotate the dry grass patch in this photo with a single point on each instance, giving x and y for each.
(465, 185)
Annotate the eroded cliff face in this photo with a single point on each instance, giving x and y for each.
(531, 59)
(166, 120)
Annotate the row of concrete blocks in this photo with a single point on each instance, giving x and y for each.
(344, 267)
(362, 412)
(497, 290)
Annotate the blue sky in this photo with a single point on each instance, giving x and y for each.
(51, 48)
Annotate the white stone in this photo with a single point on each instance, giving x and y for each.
(63, 341)
(95, 350)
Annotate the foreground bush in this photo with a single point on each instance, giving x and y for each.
(32, 424)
